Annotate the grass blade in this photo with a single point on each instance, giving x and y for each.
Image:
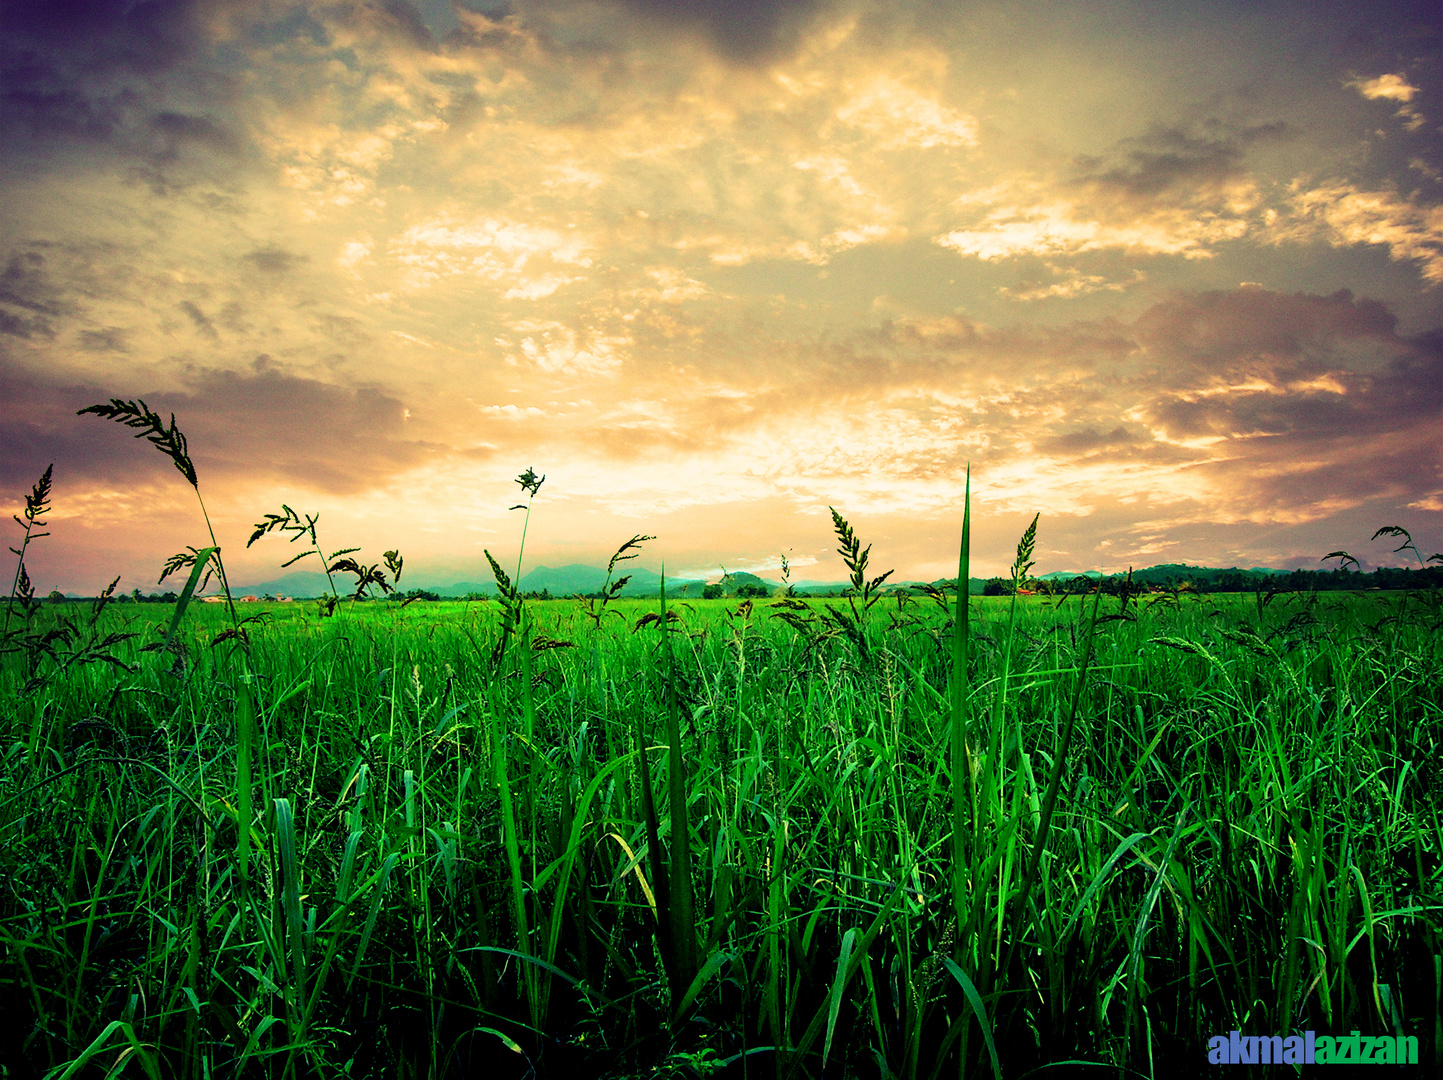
(975, 1000)
(683, 919)
(839, 987)
(202, 559)
(958, 757)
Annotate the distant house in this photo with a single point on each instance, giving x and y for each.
(284, 599)
(212, 599)
(250, 599)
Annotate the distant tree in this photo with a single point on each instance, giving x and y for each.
(752, 591)
(712, 592)
(56, 596)
(997, 586)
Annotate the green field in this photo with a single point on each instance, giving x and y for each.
(372, 847)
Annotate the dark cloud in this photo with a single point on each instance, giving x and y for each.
(1169, 163)
(1317, 399)
(140, 36)
(742, 29)
(391, 19)
(27, 284)
(344, 330)
(21, 327)
(317, 435)
(109, 339)
(1224, 336)
(274, 260)
(263, 423)
(174, 132)
(1088, 440)
(1279, 476)
(132, 74)
(745, 31)
(1295, 390)
(199, 318)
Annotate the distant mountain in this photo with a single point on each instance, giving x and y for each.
(1160, 572)
(302, 583)
(576, 578)
(564, 580)
(305, 585)
(738, 578)
(828, 588)
(557, 580)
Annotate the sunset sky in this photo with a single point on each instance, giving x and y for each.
(1169, 273)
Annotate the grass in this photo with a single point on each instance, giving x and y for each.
(769, 839)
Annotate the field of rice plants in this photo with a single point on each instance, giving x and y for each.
(879, 835)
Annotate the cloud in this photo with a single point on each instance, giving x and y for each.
(27, 284)
(1172, 192)
(669, 286)
(107, 339)
(1209, 397)
(556, 349)
(753, 32)
(901, 116)
(492, 249)
(111, 35)
(1060, 227)
(1388, 87)
(1391, 87)
(1206, 163)
(274, 260)
(130, 77)
(244, 428)
(199, 319)
(1066, 283)
(1343, 214)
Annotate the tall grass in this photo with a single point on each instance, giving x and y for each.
(707, 838)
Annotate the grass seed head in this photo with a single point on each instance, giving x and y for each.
(530, 482)
(168, 440)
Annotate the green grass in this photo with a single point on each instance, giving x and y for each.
(446, 864)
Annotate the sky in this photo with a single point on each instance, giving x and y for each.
(1170, 274)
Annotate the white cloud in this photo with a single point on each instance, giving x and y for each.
(1068, 282)
(672, 286)
(537, 288)
(353, 252)
(494, 249)
(1388, 87)
(1393, 88)
(557, 349)
(900, 116)
(1059, 228)
(1346, 214)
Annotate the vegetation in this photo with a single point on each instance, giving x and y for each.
(884, 835)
